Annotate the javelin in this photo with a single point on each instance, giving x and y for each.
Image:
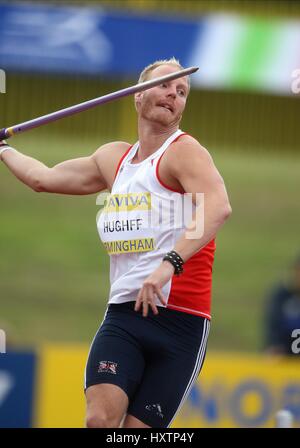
(45, 119)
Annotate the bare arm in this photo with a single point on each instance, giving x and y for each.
(193, 167)
(77, 176)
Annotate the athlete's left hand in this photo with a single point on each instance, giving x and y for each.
(152, 288)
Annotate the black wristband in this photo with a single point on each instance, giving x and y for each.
(176, 261)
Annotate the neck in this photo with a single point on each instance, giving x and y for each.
(151, 137)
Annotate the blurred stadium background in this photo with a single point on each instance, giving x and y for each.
(53, 270)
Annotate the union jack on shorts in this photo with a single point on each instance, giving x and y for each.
(107, 366)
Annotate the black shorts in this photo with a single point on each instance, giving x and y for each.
(154, 359)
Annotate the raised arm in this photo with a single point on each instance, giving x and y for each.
(79, 176)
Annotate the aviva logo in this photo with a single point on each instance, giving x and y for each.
(127, 202)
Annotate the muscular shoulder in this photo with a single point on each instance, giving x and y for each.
(182, 159)
(107, 158)
(112, 149)
(185, 152)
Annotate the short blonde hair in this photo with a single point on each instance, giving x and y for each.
(149, 69)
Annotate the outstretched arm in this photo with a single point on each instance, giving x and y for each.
(76, 177)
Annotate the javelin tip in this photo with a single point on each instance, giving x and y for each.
(194, 69)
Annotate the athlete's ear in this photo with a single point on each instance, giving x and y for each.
(137, 99)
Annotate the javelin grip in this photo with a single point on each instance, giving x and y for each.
(3, 135)
(45, 119)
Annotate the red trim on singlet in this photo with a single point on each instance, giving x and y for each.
(191, 291)
(157, 166)
(121, 160)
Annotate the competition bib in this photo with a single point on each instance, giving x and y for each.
(124, 223)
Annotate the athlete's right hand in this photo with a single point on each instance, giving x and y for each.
(152, 288)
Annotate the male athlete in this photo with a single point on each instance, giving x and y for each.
(151, 345)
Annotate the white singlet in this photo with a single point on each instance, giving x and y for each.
(141, 221)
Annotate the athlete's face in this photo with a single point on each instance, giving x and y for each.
(163, 104)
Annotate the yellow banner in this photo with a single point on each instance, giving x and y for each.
(233, 390)
(60, 401)
(242, 391)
